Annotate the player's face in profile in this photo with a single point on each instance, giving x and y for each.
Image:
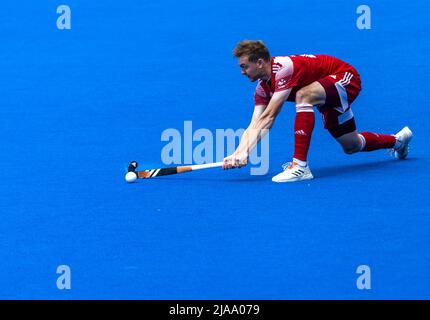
(249, 69)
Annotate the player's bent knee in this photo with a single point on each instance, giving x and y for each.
(351, 149)
(350, 142)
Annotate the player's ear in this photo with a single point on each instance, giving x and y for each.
(260, 62)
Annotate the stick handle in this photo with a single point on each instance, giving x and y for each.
(206, 166)
(145, 174)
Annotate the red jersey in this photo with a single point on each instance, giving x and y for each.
(298, 71)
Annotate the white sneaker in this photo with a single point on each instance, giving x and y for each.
(293, 172)
(403, 137)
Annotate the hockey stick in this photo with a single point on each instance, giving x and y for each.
(146, 174)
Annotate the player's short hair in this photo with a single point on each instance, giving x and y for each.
(254, 49)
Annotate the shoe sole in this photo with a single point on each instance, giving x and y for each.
(305, 177)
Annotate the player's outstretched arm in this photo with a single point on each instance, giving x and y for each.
(256, 131)
(230, 160)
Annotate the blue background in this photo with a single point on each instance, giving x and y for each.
(77, 105)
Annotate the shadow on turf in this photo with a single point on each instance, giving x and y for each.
(324, 172)
(358, 168)
(248, 178)
(319, 172)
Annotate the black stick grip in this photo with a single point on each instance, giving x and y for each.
(167, 171)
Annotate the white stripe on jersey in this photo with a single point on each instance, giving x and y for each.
(340, 87)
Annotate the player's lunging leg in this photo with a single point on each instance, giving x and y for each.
(341, 126)
(367, 141)
(306, 99)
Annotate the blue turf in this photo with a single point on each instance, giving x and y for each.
(78, 105)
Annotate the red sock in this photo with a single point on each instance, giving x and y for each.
(303, 127)
(376, 141)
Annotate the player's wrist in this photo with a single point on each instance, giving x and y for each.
(241, 153)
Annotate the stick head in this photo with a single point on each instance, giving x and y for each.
(132, 166)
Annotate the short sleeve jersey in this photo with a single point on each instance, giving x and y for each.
(295, 72)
